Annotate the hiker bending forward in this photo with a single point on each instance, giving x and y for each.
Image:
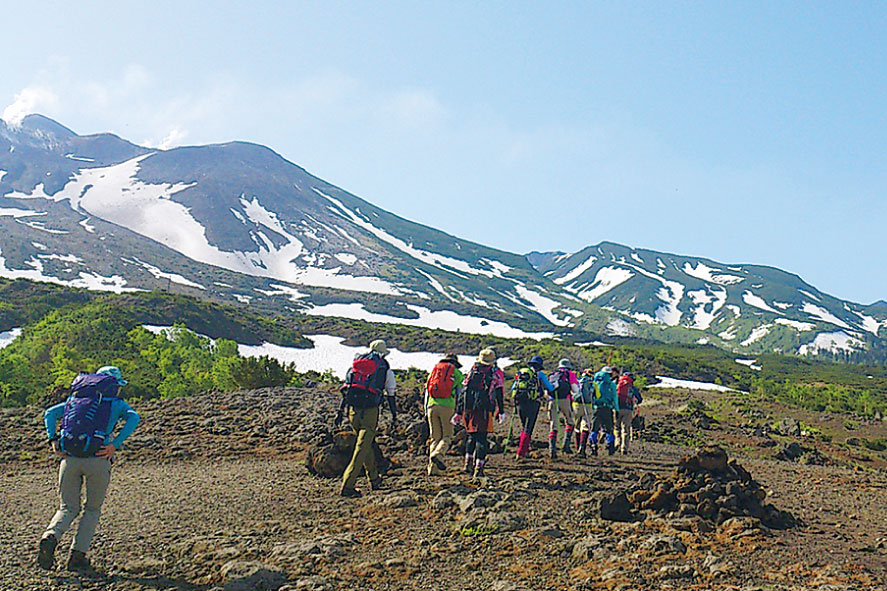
(442, 388)
(368, 379)
(482, 399)
(86, 445)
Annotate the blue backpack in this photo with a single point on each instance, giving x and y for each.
(87, 414)
(587, 391)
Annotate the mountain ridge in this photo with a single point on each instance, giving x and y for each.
(237, 221)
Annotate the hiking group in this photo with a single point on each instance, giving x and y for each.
(596, 408)
(81, 429)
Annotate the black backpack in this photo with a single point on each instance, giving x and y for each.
(478, 395)
(562, 387)
(526, 385)
(365, 381)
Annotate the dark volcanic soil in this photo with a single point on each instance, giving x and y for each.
(214, 494)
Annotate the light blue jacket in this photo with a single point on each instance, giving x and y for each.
(120, 410)
(607, 388)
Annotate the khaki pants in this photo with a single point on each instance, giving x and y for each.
(364, 422)
(564, 412)
(623, 428)
(439, 418)
(584, 414)
(73, 472)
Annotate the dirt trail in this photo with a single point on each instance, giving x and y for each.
(225, 511)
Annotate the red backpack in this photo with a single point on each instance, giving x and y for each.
(623, 391)
(365, 380)
(440, 382)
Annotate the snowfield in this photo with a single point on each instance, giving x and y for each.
(6, 337)
(833, 342)
(440, 319)
(666, 382)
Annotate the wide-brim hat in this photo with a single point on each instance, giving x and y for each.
(115, 373)
(565, 363)
(379, 346)
(486, 357)
(452, 358)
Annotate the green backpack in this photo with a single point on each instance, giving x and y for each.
(526, 385)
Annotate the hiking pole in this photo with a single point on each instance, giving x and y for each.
(587, 421)
(510, 430)
(554, 425)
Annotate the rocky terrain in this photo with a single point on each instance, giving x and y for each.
(213, 492)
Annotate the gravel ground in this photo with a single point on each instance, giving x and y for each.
(191, 512)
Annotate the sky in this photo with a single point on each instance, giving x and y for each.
(743, 132)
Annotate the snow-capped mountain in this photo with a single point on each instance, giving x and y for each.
(236, 221)
(750, 307)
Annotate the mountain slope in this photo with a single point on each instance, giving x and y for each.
(238, 222)
(754, 307)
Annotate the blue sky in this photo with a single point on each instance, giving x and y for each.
(742, 132)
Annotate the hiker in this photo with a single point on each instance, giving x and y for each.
(629, 397)
(442, 388)
(482, 398)
(369, 378)
(565, 386)
(605, 405)
(529, 384)
(86, 444)
(583, 409)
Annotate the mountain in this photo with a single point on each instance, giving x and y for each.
(748, 307)
(237, 222)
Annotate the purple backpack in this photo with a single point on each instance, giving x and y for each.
(85, 422)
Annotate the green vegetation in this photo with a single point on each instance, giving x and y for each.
(66, 331)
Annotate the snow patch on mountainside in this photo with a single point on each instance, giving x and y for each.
(870, 324)
(799, 326)
(174, 277)
(666, 382)
(750, 363)
(756, 301)
(440, 319)
(607, 278)
(706, 273)
(577, 271)
(620, 328)
(542, 305)
(833, 342)
(11, 212)
(703, 317)
(757, 334)
(824, 315)
(7, 336)
(115, 194)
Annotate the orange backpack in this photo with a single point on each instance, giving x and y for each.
(440, 382)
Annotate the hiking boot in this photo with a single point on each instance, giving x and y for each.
(77, 560)
(552, 449)
(376, 484)
(566, 449)
(469, 465)
(581, 452)
(478, 470)
(594, 449)
(46, 552)
(438, 463)
(350, 493)
(611, 449)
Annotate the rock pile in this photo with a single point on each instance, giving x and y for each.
(330, 456)
(705, 484)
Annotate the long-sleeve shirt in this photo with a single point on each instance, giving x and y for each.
(544, 385)
(120, 411)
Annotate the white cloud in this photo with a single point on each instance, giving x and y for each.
(30, 100)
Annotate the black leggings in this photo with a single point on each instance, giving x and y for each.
(477, 446)
(528, 411)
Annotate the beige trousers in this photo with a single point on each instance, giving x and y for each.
(364, 422)
(439, 418)
(623, 429)
(95, 473)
